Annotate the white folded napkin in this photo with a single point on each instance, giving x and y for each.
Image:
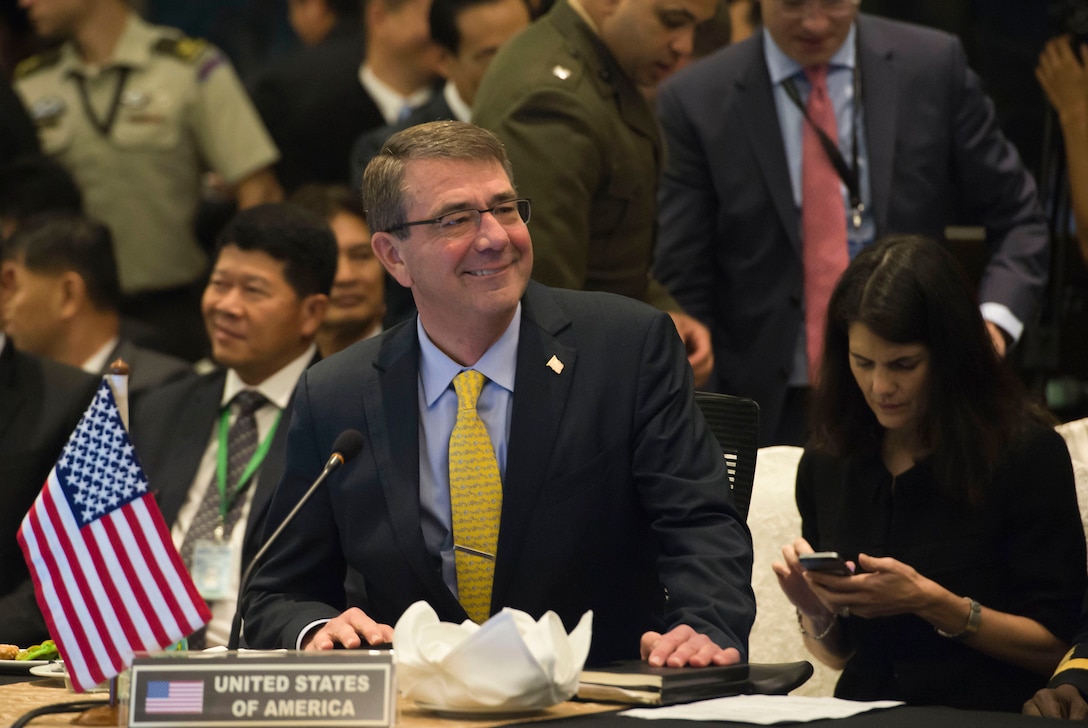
(510, 662)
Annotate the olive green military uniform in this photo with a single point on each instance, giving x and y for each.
(585, 146)
(138, 133)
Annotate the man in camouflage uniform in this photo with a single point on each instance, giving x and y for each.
(138, 113)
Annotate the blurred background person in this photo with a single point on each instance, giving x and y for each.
(357, 299)
(137, 113)
(315, 20)
(565, 98)
(792, 150)
(1062, 76)
(32, 185)
(318, 102)
(468, 33)
(968, 581)
(40, 403)
(63, 301)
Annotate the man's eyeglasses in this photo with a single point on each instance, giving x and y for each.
(458, 224)
(833, 8)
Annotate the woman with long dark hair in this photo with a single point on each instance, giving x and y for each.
(945, 488)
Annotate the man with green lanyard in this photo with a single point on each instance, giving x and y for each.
(213, 446)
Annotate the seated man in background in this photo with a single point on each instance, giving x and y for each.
(468, 33)
(538, 497)
(40, 403)
(213, 445)
(63, 301)
(357, 300)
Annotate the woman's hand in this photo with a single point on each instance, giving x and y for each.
(883, 588)
(791, 577)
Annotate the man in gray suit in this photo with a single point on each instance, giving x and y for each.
(64, 298)
(919, 149)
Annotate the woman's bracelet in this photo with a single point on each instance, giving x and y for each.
(974, 619)
(826, 631)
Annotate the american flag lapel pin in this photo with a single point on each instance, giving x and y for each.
(555, 365)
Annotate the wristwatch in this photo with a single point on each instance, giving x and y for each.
(974, 620)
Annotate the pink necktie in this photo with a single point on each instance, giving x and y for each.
(823, 217)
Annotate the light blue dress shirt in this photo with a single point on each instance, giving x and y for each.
(437, 416)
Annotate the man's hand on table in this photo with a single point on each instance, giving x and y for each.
(1064, 701)
(683, 646)
(349, 630)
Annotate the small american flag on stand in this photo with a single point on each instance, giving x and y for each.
(106, 574)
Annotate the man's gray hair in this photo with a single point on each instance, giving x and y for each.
(383, 180)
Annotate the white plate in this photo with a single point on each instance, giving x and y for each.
(20, 665)
(490, 710)
(50, 669)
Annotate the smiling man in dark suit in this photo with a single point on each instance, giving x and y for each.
(213, 446)
(600, 487)
(917, 140)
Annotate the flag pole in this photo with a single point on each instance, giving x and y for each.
(109, 714)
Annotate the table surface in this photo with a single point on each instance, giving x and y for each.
(18, 698)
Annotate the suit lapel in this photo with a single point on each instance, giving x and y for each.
(757, 104)
(540, 398)
(268, 479)
(193, 424)
(391, 403)
(878, 84)
(11, 398)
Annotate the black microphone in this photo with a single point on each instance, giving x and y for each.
(348, 444)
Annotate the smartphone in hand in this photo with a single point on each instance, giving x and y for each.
(826, 562)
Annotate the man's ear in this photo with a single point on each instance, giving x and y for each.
(314, 308)
(72, 290)
(387, 247)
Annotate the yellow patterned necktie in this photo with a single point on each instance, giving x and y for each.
(476, 499)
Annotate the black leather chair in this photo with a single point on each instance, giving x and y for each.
(735, 423)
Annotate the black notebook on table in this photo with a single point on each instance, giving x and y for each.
(636, 682)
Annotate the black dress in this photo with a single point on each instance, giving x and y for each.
(1021, 552)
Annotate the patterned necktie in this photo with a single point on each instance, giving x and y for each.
(823, 217)
(476, 499)
(241, 444)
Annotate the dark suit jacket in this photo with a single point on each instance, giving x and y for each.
(370, 142)
(170, 428)
(585, 146)
(314, 107)
(149, 369)
(729, 244)
(614, 490)
(41, 402)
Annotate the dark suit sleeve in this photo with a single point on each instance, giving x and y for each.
(705, 549)
(998, 192)
(302, 578)
(687, 210)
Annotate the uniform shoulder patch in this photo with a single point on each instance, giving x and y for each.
(182, 48)
(37, 62)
